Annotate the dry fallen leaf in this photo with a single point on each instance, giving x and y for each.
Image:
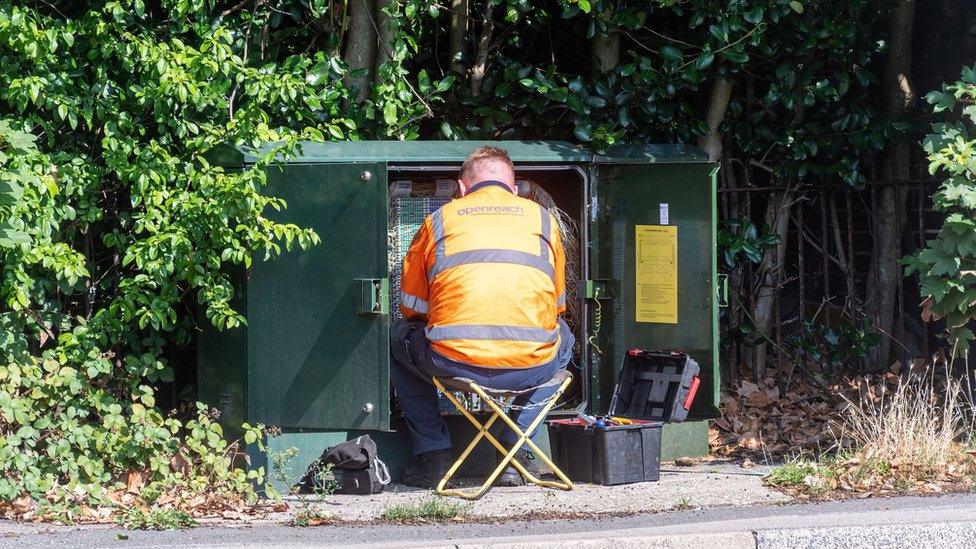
(22, 504)
(179, 464)
(746, 388)
(135, 482)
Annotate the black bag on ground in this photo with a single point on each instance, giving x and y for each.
(352, 467)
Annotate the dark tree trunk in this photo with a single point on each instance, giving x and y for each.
(770, 275)
(889, 216)
(361, 38)
(484, 45)
(385, 35)
(606, 51)
(459, 29)
(718, 101)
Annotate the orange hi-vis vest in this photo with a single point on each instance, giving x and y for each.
(488, 273)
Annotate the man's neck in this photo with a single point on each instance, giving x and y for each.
(489, 183)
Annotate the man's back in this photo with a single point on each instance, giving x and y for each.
(487, 273)
(485, 279)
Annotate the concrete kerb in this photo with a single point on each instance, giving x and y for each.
(615, 540)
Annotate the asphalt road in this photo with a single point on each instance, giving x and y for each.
(944, 522)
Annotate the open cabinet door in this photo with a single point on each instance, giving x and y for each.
(653, 230)
(318, 328)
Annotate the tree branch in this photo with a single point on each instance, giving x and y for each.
(481, 53)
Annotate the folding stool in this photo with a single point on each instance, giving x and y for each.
(492, 397)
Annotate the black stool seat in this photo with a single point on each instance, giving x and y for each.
(464, 384)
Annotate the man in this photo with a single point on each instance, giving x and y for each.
(482, 287)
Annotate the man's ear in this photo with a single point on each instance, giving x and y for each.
(462, 188)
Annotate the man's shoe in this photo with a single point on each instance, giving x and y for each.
(426, 470)
(510, 476)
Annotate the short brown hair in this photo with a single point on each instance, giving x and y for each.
(484, 155)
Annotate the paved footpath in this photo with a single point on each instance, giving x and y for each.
(705, 485)
(910, 522)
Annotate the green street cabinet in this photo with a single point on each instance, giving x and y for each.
(313, 359)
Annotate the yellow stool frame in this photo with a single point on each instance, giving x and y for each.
(562, 378)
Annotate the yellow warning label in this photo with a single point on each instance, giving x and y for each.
(657, 274)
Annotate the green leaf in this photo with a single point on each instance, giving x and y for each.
(445, 83)
(390, 113)
(447, 130)
(584, 133)
(10, 237)
(704, 61)
(736, 56)
(671, 53)
(796, 6)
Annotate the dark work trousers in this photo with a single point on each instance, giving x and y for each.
(413, 363)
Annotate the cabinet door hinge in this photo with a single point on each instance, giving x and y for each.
(722, 290)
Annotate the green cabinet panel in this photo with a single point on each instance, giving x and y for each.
(630, 195)
(315, 359)
(221, 366)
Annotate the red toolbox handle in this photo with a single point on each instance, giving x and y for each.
(691, 392)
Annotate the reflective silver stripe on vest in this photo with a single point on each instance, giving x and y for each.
(440, 251)
(492, 333)
(413, 302)
(546, 231)
(442, 261)
(561, 300)
(513, 257)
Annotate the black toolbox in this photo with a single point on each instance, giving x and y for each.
(654, 387)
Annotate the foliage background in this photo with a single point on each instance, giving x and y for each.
(114, 228)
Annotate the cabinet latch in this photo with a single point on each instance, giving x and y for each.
(598, 289)
(375, 296)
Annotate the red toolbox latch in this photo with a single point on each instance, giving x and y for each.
(690, 397)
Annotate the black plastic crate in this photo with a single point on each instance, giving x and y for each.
(654, 387)
(620, 454)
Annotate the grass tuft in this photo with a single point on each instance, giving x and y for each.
(683, 503)
(311, 515)
(155, 518)
(805, 474)
(917, 425)
(433, 509)
(912, 437)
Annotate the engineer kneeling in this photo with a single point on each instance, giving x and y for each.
(482, 289)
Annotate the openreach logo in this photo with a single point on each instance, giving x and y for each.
(492, 210)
